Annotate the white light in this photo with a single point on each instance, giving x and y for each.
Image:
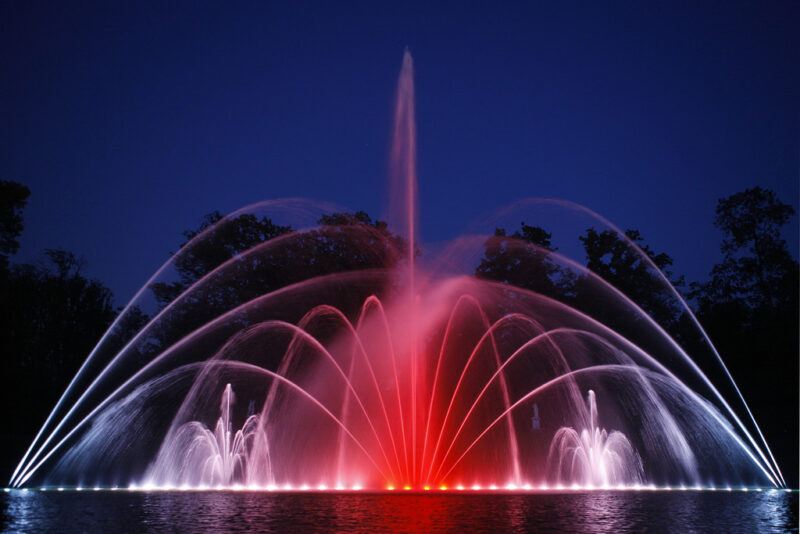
(511, 487)
(60, 489)
(527, 487)
(476, 487)
(357, 487)
(322, 487)
(96, 488)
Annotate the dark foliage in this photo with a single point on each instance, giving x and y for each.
(615, 259)
(750, 309)
(220, 243)
(523, 260)
(262, 257)
(13, 197)
(52, 316)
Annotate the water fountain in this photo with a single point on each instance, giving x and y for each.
(274, 370)
(594, 457)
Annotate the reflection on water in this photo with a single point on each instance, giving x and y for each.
(35, 511)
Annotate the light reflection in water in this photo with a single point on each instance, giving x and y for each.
(598, 511)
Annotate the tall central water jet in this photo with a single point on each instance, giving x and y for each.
(403, 209)
(372, 371)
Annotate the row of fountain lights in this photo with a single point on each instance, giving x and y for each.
(390, 488)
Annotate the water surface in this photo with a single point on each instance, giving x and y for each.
(124, 511)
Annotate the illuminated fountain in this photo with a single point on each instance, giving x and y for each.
(279, 368)
(202, 458)
(594, 457)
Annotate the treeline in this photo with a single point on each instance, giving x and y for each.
(52, 314)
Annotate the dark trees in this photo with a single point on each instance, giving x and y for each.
(325, 250)
(51, 316)
(750, 309)
(13, 197)
(614, 259)
(262, 257)
(757, 273)
(523, 260)
(220, 244)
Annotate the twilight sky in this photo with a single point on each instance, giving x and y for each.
(129, 121)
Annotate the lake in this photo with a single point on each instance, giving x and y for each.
(597, 511)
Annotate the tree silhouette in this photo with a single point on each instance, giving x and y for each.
(52, 316)
(612, 257)
(220, 244)
(512, 260)
(750, 309)
(13, 197)
(757, 273)
(523, 260)
(261, 257)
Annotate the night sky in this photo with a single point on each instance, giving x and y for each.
(129, 122)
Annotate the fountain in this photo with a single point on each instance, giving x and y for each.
(594, 457)
(377, 371)
(202, 458)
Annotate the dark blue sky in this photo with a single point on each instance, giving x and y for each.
(129, 122)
